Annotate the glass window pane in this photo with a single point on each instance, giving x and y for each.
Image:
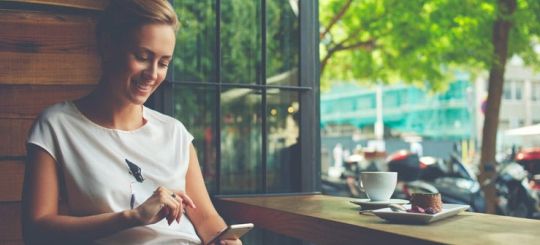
(507, 90)
(195, 54)
(282, 40)
(283, 168)
(518, 87)
(240, 41)
(241, 142)
(535, 91)
(196, 108)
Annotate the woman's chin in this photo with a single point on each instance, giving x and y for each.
(138, 99)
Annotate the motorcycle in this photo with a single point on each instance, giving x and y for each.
(516, 191)
(530, 160)
(451, 178)
(515, 198)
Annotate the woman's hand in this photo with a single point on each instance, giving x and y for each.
(163, 204)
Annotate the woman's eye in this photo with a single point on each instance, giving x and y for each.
(141, 57)
(163, 64)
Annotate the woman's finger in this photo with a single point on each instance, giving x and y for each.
(186, 199)
(170, 204)
(181, 207)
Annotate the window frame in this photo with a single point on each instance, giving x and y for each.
(308, 89)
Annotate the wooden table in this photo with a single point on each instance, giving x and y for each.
(334, 220)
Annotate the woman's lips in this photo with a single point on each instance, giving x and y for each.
(143, 87)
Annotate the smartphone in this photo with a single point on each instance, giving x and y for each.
(232, 232)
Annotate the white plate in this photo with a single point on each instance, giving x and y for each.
(407, 217)
(368, 204)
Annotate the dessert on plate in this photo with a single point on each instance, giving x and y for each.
(428, 203)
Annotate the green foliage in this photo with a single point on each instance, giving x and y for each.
(419, 41)
(240, 40)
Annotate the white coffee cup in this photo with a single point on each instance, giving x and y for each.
(379, 186)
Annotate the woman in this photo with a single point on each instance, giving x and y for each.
(98, 154)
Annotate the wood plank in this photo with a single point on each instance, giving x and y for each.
(10, 223)
(34, 32)
(27, 101)
(79, 4)
(15, 242)
(46, 48)
(30, 17)
(14, 132)
(24, 68)
(11, 180)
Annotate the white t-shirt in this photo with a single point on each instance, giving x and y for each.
(96, 177)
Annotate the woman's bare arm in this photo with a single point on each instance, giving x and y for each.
(42, 224)
(205, 218)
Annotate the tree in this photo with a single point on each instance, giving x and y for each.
(421, 42)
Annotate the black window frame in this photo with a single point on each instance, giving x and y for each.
(309, 120)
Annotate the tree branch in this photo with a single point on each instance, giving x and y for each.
(366, 45)
(336, 18)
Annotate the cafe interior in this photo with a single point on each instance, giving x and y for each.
(244, 81)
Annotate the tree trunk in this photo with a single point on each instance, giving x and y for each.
(501, 30)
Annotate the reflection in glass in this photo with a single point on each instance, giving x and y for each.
(240, 41)
(241, 142)
(195, 54)
(283, 166)
(195, 107)
(282, 40)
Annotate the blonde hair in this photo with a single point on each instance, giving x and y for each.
(122, 17)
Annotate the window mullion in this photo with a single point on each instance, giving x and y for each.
(218, 96)
(264, 105)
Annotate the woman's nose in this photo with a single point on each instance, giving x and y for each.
(150, 73)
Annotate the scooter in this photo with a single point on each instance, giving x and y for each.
(530, 160)
(453, 180)
(516, 197)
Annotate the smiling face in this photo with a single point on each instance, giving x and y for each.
(137, 69)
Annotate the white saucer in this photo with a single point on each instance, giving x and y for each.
(405, 217)
(378, 204)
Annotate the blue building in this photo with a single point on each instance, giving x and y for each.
(406, 110)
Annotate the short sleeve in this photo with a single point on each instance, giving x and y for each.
(186, 135)
(42, 134)
(185, 141)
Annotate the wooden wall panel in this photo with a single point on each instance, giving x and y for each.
(27, 31)
(15, 242)
(80, 4)
(10, 223)
(48, 68)
(27, 101)
(38, 48)
(13, 135)
(11, 180)
(46, 56)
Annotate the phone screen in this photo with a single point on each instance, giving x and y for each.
(232, 232)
